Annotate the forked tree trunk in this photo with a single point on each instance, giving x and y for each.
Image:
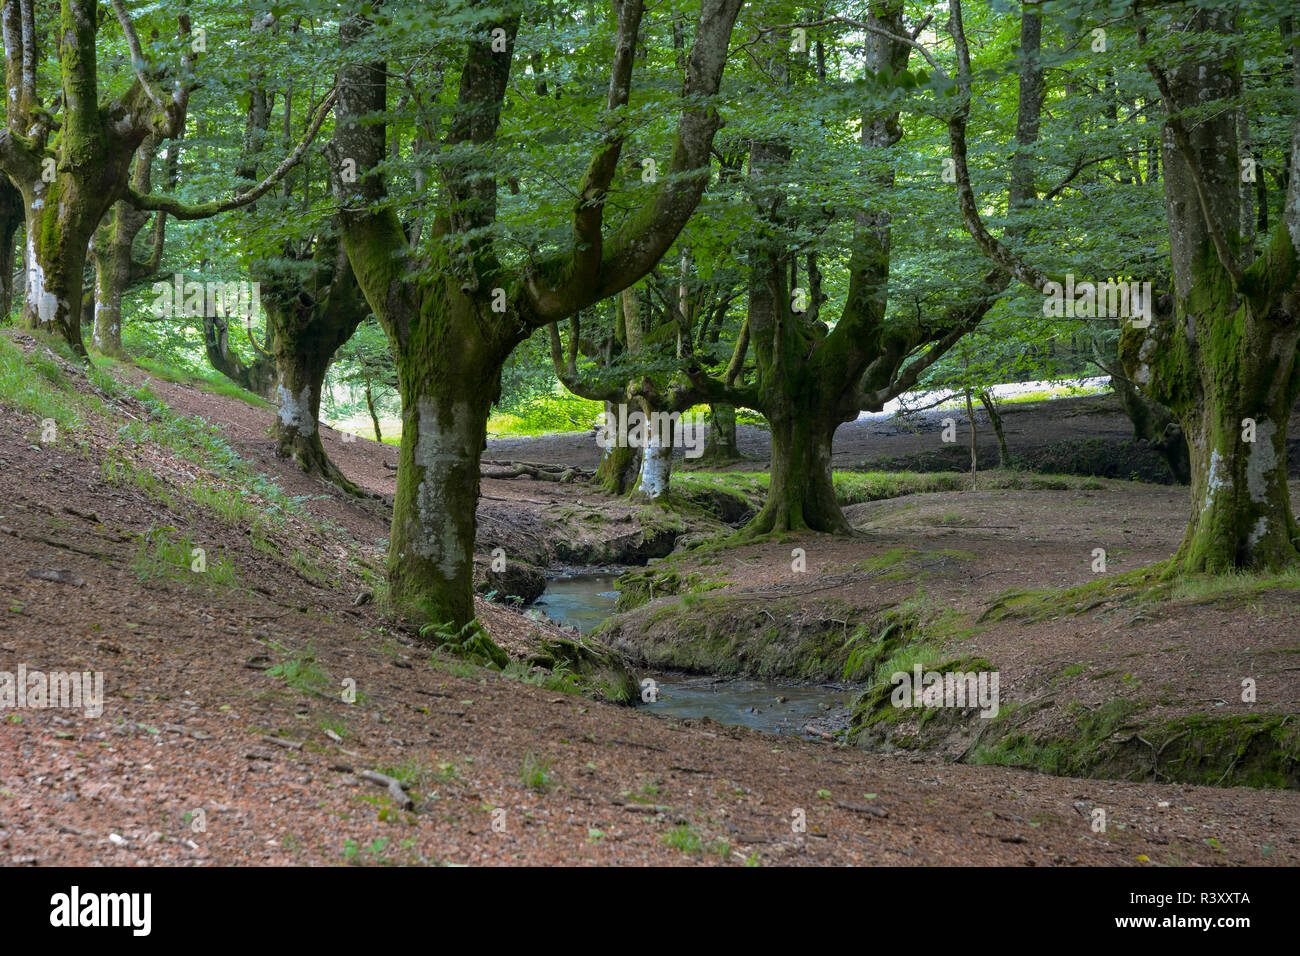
(258, 376)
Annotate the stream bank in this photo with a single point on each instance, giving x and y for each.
(586, 599)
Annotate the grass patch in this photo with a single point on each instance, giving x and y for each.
(25, 382)
(209, 380)
(535, 773)
(302, 672)
(166, 553)
(688, 839)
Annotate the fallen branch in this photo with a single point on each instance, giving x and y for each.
(396, 788)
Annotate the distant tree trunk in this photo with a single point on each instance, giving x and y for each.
(1152, 423)
(995, 419)
(374, 416)
(257, 376)
(721, 443)
(309, 320)
(970, 416)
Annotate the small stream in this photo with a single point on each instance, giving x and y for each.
(582, 600)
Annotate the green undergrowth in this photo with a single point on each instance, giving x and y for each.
(207, 379)
(911, 635)
(167, 553)
(579, 666)
(213, 477)
(1141, 588)
(1116, 740)
(856, 487)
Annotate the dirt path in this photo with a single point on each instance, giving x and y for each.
(192, 705)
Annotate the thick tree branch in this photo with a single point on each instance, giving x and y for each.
(180, 210)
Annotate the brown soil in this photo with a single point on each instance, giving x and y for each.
(190, 709)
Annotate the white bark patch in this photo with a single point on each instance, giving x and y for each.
(656, 468)
(295, 411)
(1143, 374)
(1258, 532)
(1215, 480)
(1261, 460)
(438, 451)
(45, 304)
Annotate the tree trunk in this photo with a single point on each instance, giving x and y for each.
(58, 235)
(374, 416)
(995, 419)
(111, 252)
(300, 378)
(1247, 376)
(1223, 356)
(258, 377)
(431, 547)
(111, 249)
(721, 444)
(800, 494)
(11, 217)
(656, 468)
(1156, 425)
(309, 320)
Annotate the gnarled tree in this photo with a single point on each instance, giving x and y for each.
(70, 180)
(448, 340)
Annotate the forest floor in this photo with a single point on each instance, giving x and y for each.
(224, 737)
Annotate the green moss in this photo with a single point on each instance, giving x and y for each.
(1111, 741)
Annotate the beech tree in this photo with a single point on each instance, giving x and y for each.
(810, 377)
(1223, 353)
(1220, 351)
(71, 164)
(436, 302)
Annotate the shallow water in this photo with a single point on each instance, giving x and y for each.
(584, 600)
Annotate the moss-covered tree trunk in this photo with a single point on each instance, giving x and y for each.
(111, 249)
(720, 445)
(619, 463)
(60, 219)
(71, 169)
(308, 322)
(445, 411)
(452, 317)
(801, 495)
(1221, 354)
